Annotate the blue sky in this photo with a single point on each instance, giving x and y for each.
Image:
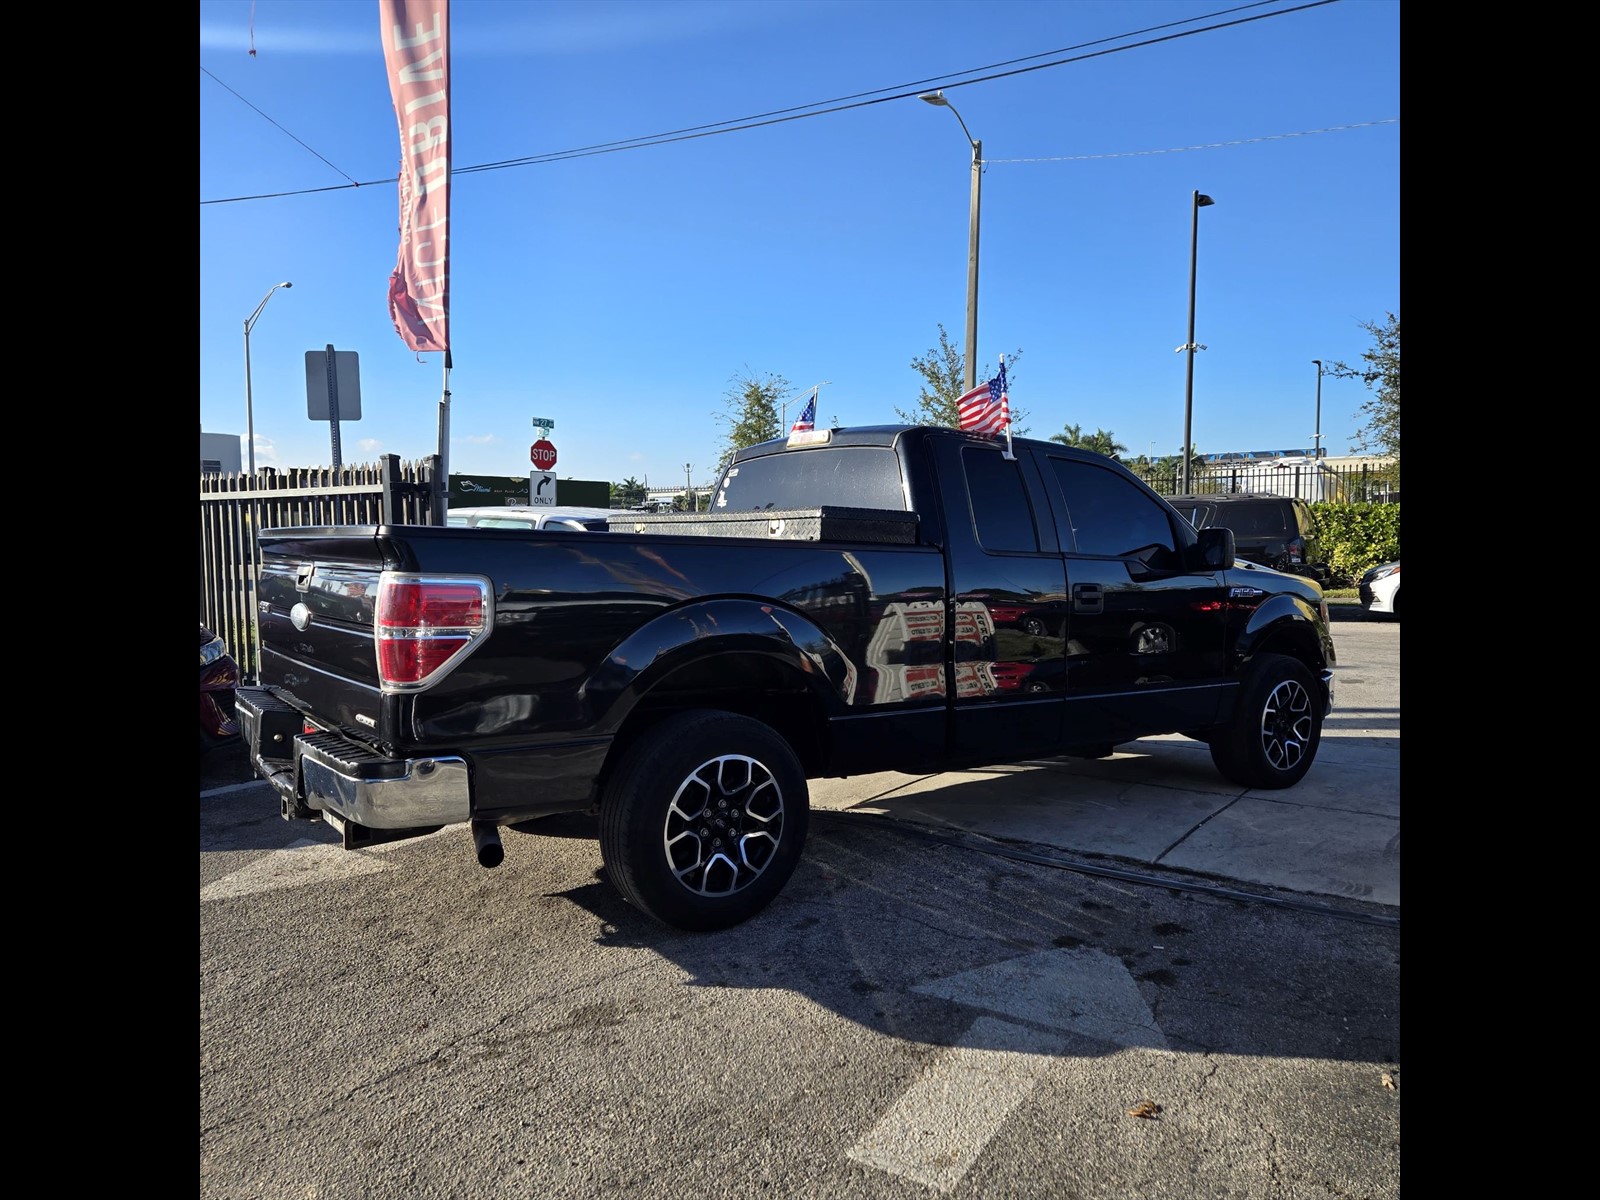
(622, 294)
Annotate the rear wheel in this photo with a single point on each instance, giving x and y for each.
(1273, 737)
(704, 820)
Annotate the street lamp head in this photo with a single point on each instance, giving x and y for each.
(935, 98)
(1201, 200)
(1318, 363)
(286, 285)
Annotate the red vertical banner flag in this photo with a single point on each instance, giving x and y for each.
(416, 50)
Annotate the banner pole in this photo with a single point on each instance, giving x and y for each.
(444, 429)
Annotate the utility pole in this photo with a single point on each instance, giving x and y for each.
(691, 501)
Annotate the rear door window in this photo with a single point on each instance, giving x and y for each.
(1001, 513)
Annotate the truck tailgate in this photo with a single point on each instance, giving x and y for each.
(314, 606)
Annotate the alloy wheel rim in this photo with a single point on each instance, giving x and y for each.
(723, 825)
(1287, 724)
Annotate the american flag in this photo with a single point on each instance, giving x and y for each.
(808, 416)
(986, 408)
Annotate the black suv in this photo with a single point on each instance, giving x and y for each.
(1275, 531)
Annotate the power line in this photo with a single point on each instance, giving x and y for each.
(1269, 137)
(914, 85)
(823, 107)
(264, 116)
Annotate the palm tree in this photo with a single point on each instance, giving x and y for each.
(1101, 441)
(627, 494)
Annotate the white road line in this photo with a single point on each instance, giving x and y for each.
(938, 1128)
(1079, 991)
(941, 1124)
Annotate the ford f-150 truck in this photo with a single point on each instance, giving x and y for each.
(898, 597)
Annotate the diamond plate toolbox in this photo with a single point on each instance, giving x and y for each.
(825, 524)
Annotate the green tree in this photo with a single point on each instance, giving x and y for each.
(1381, 374)
(751, 412)
(1100, 441)
(944, 369)
(629, 493)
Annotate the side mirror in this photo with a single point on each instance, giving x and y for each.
(1216, 547)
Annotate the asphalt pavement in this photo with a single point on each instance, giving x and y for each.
(1158, 804)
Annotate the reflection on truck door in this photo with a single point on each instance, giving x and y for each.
(1003, 563)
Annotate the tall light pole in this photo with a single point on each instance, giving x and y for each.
(688, 488)
(1316, 438)
(1191, 345)
(249, 399)
(972, 240)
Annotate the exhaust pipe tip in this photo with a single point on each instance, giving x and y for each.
(486, 837)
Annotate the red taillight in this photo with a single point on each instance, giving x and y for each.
(1297, 550)
(424, 623)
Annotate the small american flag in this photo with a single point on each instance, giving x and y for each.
(808, 416)
(986, 408)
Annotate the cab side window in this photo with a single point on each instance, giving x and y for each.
(1107, 516)
(1001, 513)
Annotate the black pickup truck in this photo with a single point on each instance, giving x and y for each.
(888, 598)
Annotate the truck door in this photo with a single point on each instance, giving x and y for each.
(1006, 584)
(1145, 634)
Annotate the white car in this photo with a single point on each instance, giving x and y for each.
(528, 516)
(1380, 590)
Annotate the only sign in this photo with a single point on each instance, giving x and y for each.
(542, 454)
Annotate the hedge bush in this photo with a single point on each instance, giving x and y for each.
(1355, 537)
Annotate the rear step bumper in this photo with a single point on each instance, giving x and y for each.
(323, 773)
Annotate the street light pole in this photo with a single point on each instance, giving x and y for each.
(688, 489)
(249, 399)
(1191, 345)
(972, 239)
(1316, 438)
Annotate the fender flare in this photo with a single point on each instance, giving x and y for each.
(1282, 617)
(705, 629)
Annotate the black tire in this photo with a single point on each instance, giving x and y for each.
(1033, 627)
(704, 820)
(1273, 737)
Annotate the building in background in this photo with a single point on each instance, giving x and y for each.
(220, 453)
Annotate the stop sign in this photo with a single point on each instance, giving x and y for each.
(542, 454)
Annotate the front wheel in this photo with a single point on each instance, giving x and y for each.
(1273, 737)
(704, 820)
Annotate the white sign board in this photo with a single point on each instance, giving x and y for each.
(542, 488)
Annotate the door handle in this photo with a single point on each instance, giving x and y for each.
(1088, 598)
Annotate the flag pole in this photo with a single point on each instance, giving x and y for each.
(1006, 392)
(444, 427)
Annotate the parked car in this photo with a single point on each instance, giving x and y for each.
(1380, 590)
(1276, 531)
(527, 516)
